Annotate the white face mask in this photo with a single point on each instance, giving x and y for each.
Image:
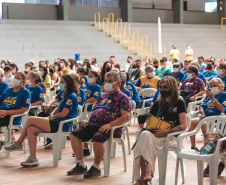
(90, 80)
(175, 70)
(215, 90)
(190, 76)
(85, 67)
(42, 73)
(16, 82)
(151, 74)
(29, 82)
(220, 72)
(27, 69)
(56, 67)
(13, 71)
(3, 65)
(162, 66)
(61, 64)
(109, 87)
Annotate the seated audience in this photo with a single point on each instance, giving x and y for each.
(64, 67)
(94, 66)
(53, 74)
(3, 85)
(3, 64)
(45, 76)
(28, 68)
(202, 64)
(68, 109)
(171, 108)
(106, 68)
(58, 69)
(155, 63)
(13, 68)
(112, 59)
(137, 73)
(8, 76)
(162, 70)
(185, 68)
(82, 73)
(192, 87)
(112, 109)
(209, 70)
(178, 75)
(123, 87)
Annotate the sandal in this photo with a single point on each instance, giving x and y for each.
(147, 178)
(140, 182)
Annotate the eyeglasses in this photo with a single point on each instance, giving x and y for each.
(163, 87)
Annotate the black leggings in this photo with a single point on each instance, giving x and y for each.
(142, 118)
(138, 105)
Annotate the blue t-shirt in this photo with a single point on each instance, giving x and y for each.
(131, 87)
(209, 107)
(128, 93)
(202, 66)
(157, 94)
(200, 75)
(82, 97)
(37, 94)
(207, 74)
(86, 81)
(11, 101)
(179, 77)
(219, 76)
(69, 102)
(3, 86)
(60, 96)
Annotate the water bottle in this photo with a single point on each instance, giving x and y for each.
(208, 148)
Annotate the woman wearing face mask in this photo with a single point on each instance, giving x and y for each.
(149, 80)
(94, 66)
(213, 106)
(68, 109)
(64, 67)
(13, 68)
(45, 76)
(81, 72)
(53, 74)
(192, 86)
(170, 108)
(3, 64)
(58, 69)
(86, 65)
(178, 75)
(37, 94)
(221, 73)
(14, 101)
(27, 68)
(106, 68)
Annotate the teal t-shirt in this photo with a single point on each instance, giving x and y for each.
(161, 71)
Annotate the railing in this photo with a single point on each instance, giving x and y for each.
(153, 42)
(119, 20)
(164, 51)
(222, 22)
(105, 19)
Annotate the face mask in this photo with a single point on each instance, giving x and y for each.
(164, 94)
(109, 87)
(90, 80)
(51, 70)
(29, 82)
(62, 87)
(190, 76)
(6, 76)
(175, 70)
(85, 67)
(151, 74)
(209, 67)
(220, 71)
(56, 67)
(3, 65)
(61, 64)
(27, 69)
(16, 82)
(108, 69)
(134, 67)
(156, 67)
(13, 71)
(214, 90)
(162, 66)
(42, 73)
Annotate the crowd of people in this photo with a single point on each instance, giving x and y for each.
(111, 88)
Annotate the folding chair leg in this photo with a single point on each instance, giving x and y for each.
(200, 166)
(128, 139)
(182, 170)
(56, 148)
(213, 172)
(162, 161)
(107, 158)
(176, 171)
(124, 155)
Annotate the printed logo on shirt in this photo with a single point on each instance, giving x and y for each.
(10, 102)
(88, 93)
(62, 96)
(175, 109)
(129, 87)
(41, 95)
(96, 94)
(28, 101)
(69, 102)
(79, 99)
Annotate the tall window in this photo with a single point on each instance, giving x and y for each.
(100, 3)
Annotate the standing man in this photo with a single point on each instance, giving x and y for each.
(175, 53)
(189, 53)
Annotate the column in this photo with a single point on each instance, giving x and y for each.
(66, 5)
(178, 11)
(126, 10)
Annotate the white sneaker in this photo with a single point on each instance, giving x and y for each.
(14, 147)
(30, 162)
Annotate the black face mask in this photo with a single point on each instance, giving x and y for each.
(108, 69)
(51, 70)
(209, 67)
(164, 94)
(134, 67)
(156, 67)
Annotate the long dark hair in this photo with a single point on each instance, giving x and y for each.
(71, 85)
(36, 76)
(45, 72)
(59, 67)
(103, 71)
(96, 76)
(174, 92)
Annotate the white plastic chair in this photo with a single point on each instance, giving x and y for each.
(85, 113)
(215, 124)
(193, 107)
(145, 93)
(7, 130)
(163, 155)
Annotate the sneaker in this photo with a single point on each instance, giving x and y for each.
(86, 152)
(77, 170)
(195, 148)
(220, 168)
(14, 147)
(92, 173)
(206, 172)
(30, 162)
(49, 143)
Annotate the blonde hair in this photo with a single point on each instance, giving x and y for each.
(174, 92)
(23, 76)
(115, 70)
(218, 81)
(78, 80)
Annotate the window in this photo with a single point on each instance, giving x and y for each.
(211, 6)
(100, 3)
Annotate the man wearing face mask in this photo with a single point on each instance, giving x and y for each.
(162, 70)
(148, 81)
(185, 68)
(221, 73)
(213, 106)
(175, 53)
(112, 109)
(3, 85)
(209, 70)
(137, 73)
(155, 63)
(178, 75)
(8, 76)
